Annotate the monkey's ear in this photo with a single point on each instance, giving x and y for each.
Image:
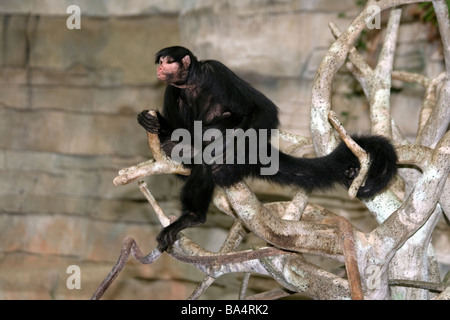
(186, 61)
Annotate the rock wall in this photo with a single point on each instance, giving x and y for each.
(68, 105)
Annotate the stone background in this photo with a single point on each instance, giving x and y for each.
(68, 106)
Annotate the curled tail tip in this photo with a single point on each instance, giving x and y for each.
(383, 165)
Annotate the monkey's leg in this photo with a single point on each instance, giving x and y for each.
(195, 198)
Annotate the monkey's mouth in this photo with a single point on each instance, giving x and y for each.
(160, 76)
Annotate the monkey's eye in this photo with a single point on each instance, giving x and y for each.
(166, 61)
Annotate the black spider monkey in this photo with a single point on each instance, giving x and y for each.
(209, 92)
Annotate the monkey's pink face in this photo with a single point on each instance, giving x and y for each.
(167, 69)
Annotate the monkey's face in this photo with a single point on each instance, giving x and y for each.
(173, 72)
(167, 70)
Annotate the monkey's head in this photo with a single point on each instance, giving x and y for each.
(174, 65)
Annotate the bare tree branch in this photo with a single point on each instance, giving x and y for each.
(442, 15)
(350, 255)
(201, 288)
(128, 246)
(359, 152)
(439, 119)
(322, 133)
(417, 284)
(428, 105)
(420, 204)
(165, 221)
(411, 77)
(445, 295)
(270, 295)
(380, 83)
(244, 286)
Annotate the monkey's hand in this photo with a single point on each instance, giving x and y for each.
(149, 121)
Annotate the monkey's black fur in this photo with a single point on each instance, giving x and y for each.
(212, 93)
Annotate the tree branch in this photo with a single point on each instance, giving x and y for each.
(128, 246)
(418, 207)
(350, 255)
(439, 119)
(380, 83)
(299, 236)
(323, 138)
(360, 153)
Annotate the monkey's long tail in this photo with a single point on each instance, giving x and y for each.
(340, 167)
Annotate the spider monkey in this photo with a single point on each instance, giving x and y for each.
(209, 92)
